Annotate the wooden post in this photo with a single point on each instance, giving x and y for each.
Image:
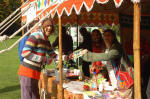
(22, 29)
(136, 50)
(77, 40)
(61, 95)
(77, 32)
(22, 1)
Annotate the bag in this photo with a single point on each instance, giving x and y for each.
(124, 76)
(124, 80)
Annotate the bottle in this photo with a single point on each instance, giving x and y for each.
(80, 76)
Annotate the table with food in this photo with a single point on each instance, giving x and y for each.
(77, 86)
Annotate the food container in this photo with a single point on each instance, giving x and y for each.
(57, 73)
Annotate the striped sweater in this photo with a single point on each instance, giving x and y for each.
(34, 53)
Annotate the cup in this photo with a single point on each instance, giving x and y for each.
(78, 71)
(57, 75)
(75, 71)
(64, 72)
(101, 87)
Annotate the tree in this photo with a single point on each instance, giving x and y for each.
(6, 8)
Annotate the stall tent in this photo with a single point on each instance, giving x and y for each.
(136, 8)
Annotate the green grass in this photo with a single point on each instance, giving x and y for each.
(9, 65)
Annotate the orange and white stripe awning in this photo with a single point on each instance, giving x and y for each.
(66, 6)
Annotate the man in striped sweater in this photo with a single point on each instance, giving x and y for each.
(34, 53)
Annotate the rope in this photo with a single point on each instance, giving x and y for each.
(10, 20)
(3, 22)
(16, 18)
(1, 51)
(28, 23)
(11, 23)
(5, 44)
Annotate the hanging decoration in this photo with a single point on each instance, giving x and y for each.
(89, 19)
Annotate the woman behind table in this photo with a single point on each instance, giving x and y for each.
(34, 53)
(97, 47)
(113, 50)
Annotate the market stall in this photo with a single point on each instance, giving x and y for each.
(89, 4)
(68, 5)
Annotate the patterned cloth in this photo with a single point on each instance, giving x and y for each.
(34, 53)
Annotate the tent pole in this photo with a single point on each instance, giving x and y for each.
(77, 32)
(136, 50)
(61, 95)
(77, 40)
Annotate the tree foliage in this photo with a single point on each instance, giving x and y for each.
(6, 8)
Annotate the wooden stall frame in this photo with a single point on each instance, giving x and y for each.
(136, 51)
(61, 93)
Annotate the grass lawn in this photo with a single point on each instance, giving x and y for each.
(9, 64)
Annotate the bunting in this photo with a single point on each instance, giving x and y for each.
(45, 2)
(39, 4)
(42, 3)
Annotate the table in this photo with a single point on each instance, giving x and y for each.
(51, 86)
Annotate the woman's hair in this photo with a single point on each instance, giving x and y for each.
(64, 30)
(48, 19)
(100, 35)
(83, 30)
(113, 34)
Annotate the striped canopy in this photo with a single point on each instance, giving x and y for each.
(66, 6)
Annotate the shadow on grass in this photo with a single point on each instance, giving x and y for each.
(9, 88)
